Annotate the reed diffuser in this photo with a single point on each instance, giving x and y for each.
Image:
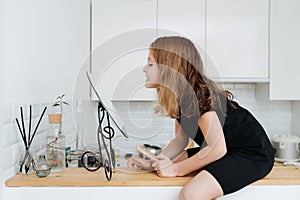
(26, 162)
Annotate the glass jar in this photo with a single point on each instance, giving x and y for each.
(55, 143)
(42, 167)
(55, 148)
(74, 158)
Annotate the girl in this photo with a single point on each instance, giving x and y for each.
(234, 149)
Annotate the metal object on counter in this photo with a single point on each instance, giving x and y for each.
(105, 157)
(291, 163)
(287, 147)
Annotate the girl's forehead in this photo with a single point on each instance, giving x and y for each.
(150, 56)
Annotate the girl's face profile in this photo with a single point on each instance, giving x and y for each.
(151, 72)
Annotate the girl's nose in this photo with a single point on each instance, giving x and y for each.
(144, 68)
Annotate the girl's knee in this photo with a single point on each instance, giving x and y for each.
(187, 194)
(182, 195)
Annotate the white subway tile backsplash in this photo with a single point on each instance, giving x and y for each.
(69, 107)
(17, 149)
(11, 135)
(2, 140)
(10, 172)
(275, 116)
(36, 111)
(39, 140)
(44, 125)
(16, 112)
(7, 161)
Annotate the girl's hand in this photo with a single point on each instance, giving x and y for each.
(140, 163)
(164, 167)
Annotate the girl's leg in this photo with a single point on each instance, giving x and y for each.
(202, 187)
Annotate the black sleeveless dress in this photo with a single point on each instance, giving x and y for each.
(250, 155)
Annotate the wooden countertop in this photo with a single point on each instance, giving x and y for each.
(280, 175)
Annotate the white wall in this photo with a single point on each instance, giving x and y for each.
(1, 98)
(1, 123)
(43, 44)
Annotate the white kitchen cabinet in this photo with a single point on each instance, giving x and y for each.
(121, 76)
(183, 18)
(284, 50)
(121, 33)
(44, 43)
(237, 40)
(233, 33)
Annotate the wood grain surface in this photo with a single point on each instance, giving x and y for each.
(280, 175)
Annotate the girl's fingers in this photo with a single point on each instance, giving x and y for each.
(133, 161)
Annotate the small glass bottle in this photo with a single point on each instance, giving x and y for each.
(42, 167)
(56, 152)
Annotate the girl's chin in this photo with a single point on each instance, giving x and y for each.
(150, 85)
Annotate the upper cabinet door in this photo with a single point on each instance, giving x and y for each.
(114, 17)
(237, 40)
(184, 18)
(121, 34)
(284, 50)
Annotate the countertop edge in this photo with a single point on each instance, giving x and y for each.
(79, 177)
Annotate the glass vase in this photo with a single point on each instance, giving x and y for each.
(26, 162)
(42, 167)
(55, 149)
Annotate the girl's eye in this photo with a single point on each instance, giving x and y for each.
(150, 65)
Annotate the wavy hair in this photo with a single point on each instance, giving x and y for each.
(184, 89)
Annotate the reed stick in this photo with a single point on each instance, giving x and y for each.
(22, 135)
(30, 116)
(24, 131)
(34, 132)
